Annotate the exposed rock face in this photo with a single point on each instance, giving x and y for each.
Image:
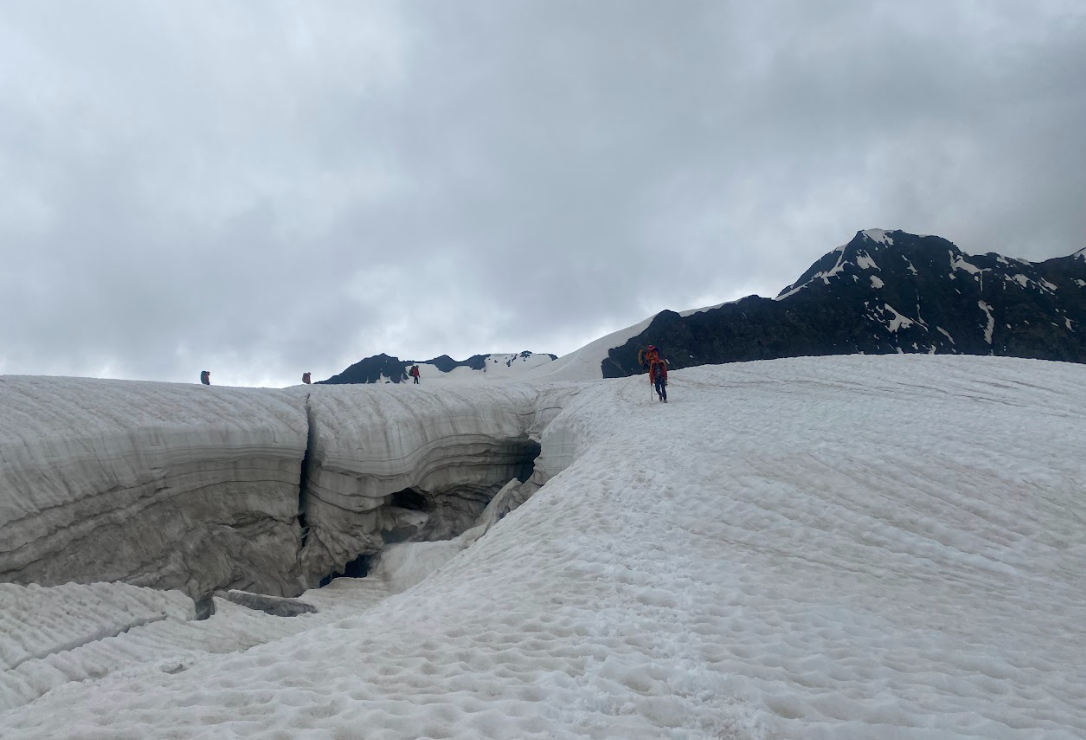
(154, 484)
(884, 293)
(376, 369)
(387, 369)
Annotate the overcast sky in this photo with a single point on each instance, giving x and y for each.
(264, 188)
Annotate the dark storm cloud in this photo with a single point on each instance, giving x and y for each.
(264, 189)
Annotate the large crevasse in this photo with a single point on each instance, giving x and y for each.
(202, 489)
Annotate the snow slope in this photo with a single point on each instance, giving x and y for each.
(585, 363)
(841, 547)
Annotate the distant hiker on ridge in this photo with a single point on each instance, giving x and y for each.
(205, 377)
(415, 373)
(307, 378)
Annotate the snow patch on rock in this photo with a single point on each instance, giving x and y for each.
(990, 324)
(897, 320)
(958, 262)
(865, 262)
(880, 236)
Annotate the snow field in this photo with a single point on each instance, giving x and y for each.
(847, 547)
(50, 637)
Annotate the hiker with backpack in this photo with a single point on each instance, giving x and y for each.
(658, 377)
(415, 373)
(307, 378)
(205, 377)
(646, 356)
(649, 358)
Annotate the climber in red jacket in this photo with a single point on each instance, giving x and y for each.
(658, 377)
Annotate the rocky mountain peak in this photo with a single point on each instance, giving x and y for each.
(888, 291)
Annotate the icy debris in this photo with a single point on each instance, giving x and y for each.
(274, 605)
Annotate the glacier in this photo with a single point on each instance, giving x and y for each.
(845, 547)
(206, 489)
(154, 484)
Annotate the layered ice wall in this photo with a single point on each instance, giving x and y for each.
(202, 489)
(393, 464)
(153, 484)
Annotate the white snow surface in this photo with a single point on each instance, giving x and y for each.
(876, 282)
(865, 262)
(802, 548)
(882, 236)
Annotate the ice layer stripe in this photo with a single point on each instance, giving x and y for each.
(156, 484)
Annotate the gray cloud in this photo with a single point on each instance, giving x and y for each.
(264, 189)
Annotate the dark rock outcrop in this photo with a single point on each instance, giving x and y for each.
(389, 369)
(380, 368)
(886, 293)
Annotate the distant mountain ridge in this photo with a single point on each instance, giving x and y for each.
(886, 292)
(384, 368)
